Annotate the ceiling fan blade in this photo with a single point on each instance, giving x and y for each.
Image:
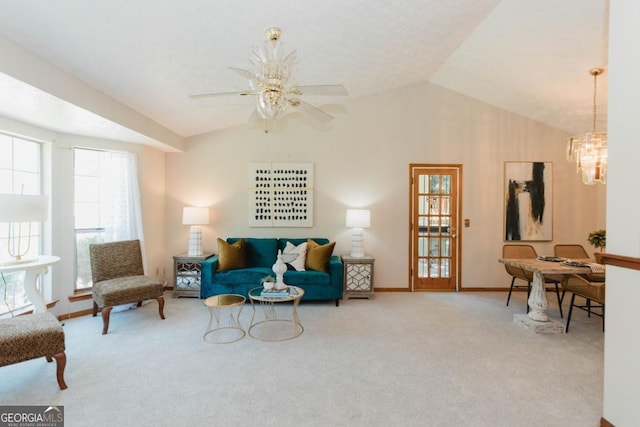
(309, 109)
(244, 73)
(209, 95)
(333, 90)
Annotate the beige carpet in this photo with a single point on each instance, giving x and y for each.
(420, 359)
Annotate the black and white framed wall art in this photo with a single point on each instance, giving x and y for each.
(280, 194)
(528, 201)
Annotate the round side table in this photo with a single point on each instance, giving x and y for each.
(275, 327)
(224, 329)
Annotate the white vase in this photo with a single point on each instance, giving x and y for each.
(279, 268)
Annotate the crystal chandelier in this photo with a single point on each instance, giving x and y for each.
(589, 150)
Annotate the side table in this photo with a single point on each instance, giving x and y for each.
(187, 275)
(32, 270)
(274, 327)
(218, 330)
(358, 276)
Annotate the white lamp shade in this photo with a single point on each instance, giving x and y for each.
(23, 208)
(358, 218)
(195, 216)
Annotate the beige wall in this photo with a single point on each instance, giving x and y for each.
(362, 160)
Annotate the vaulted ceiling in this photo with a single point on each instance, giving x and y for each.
(147, 56)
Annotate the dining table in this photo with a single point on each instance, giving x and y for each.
(537, 317)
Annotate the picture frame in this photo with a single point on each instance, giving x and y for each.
(528, 201)
(280, 194)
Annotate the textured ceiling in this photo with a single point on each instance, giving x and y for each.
(529, 57)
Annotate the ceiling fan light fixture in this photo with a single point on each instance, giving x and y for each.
(271, 82)
(589, 150)
(273, 75)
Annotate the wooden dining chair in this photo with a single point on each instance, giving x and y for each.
(511, 251)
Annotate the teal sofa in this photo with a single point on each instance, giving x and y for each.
(261, 254)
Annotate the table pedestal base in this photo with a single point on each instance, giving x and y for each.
(549, 327)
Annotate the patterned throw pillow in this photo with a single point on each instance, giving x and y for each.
(318, 256)
(295, 256)
(231, 257)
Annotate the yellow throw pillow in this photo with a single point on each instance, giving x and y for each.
(232, 256)
(318, 256)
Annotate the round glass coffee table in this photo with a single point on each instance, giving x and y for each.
(273, 326)
(224, 329)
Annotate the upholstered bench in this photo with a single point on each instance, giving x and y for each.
(31, 336)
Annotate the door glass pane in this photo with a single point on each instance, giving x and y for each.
(422, 267)
(434, 184)
(423, 205)
(446, 247)
(445, 270)
(422, 246)
(422, 183)
(433, 268)
(434, 205)
(434, 247)
(446, 205)
(446, 184)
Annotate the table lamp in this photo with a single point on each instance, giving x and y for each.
(17, 209)
(358, 219)
(195, 217)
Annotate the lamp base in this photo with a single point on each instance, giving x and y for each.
(195, 241)
(357, 243)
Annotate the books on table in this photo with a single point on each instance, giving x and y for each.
(278, 293)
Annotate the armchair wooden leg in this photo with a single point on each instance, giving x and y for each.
(61, 362)
(161, 307)
(106, 311)
(95, 309)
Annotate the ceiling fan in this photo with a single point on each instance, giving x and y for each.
(273, 86)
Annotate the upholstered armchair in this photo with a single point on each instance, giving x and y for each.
(118, 278)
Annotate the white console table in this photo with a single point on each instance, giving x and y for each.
(32, 270)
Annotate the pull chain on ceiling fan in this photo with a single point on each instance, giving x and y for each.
(272, 83)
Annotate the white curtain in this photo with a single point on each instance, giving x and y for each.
(120, 211)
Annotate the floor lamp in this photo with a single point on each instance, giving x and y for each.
(16, 210)
(195, 217)
(358, 219)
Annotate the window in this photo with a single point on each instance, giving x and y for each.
(106, 204)
(20, 173)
